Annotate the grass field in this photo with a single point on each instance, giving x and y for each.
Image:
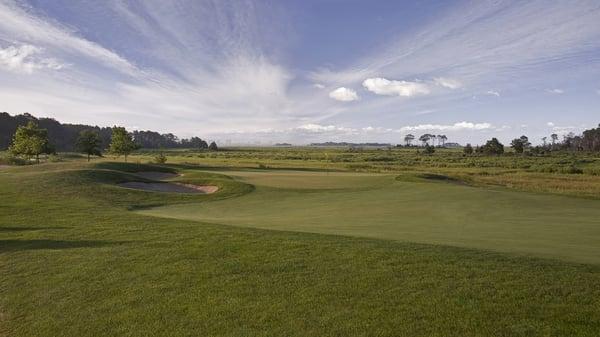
(80, 256)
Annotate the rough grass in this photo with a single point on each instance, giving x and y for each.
(75, 262)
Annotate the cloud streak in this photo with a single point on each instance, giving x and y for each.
(26, 59)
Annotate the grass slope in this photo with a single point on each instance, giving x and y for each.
(435, 212)
(75, 262)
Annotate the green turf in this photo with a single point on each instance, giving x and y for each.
(75, 261)
(424, 211)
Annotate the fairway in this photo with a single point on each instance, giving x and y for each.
(88, 260)
(415, 210)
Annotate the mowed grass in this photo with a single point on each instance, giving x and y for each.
(76, 261)
(415, 210)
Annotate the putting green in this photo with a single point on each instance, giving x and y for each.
(378, 206)
(308, 179)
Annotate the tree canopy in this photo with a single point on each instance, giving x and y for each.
(89, 143)
(121, 143)
(492, 146)
(520, 144)
(31, 141)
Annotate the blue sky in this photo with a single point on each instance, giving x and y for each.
(305, 71)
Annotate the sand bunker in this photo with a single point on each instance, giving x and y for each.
(152, 175)
(170, 187)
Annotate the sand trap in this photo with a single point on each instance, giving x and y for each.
(170, 187)
(152, 175)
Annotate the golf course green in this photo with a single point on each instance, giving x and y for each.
(433, 211)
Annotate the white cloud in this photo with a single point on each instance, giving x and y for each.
(344, 94)
(564, 129)
(550, 124)
(382, 86)
(447, 83)
(555, 91)
(493, 93)
(26, 59)
(453, 127)
(317, 128)
(319, 86)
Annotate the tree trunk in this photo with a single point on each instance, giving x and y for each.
(37, 158)
(88, 157)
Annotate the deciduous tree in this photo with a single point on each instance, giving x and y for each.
(31, 141)
(121, 143)
(89, 143)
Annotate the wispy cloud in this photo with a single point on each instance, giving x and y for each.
(555, 91)
(18, 24)
(447, 82)
(26, 59)
(544, 43)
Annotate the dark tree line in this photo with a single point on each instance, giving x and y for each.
(64, 137)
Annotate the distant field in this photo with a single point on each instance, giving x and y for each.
(573, 174)
(419, 210)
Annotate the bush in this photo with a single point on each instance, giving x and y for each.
(571, 170)
(593, 171)
(54, 158)
(468, 149)
(160, 158)
(8, 158)
(429, 149)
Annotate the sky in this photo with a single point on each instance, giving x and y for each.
(264, 72)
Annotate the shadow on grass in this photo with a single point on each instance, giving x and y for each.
(19, 245)
(24, 229)
(248, 167)
(133, 167)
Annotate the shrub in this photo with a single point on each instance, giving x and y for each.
(572, 170)
(8, 158)
(54, 158)
(429, 149)
(160, 158)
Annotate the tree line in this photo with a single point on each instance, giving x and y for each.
(31, 141)
(588, 141)
(64, 137)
